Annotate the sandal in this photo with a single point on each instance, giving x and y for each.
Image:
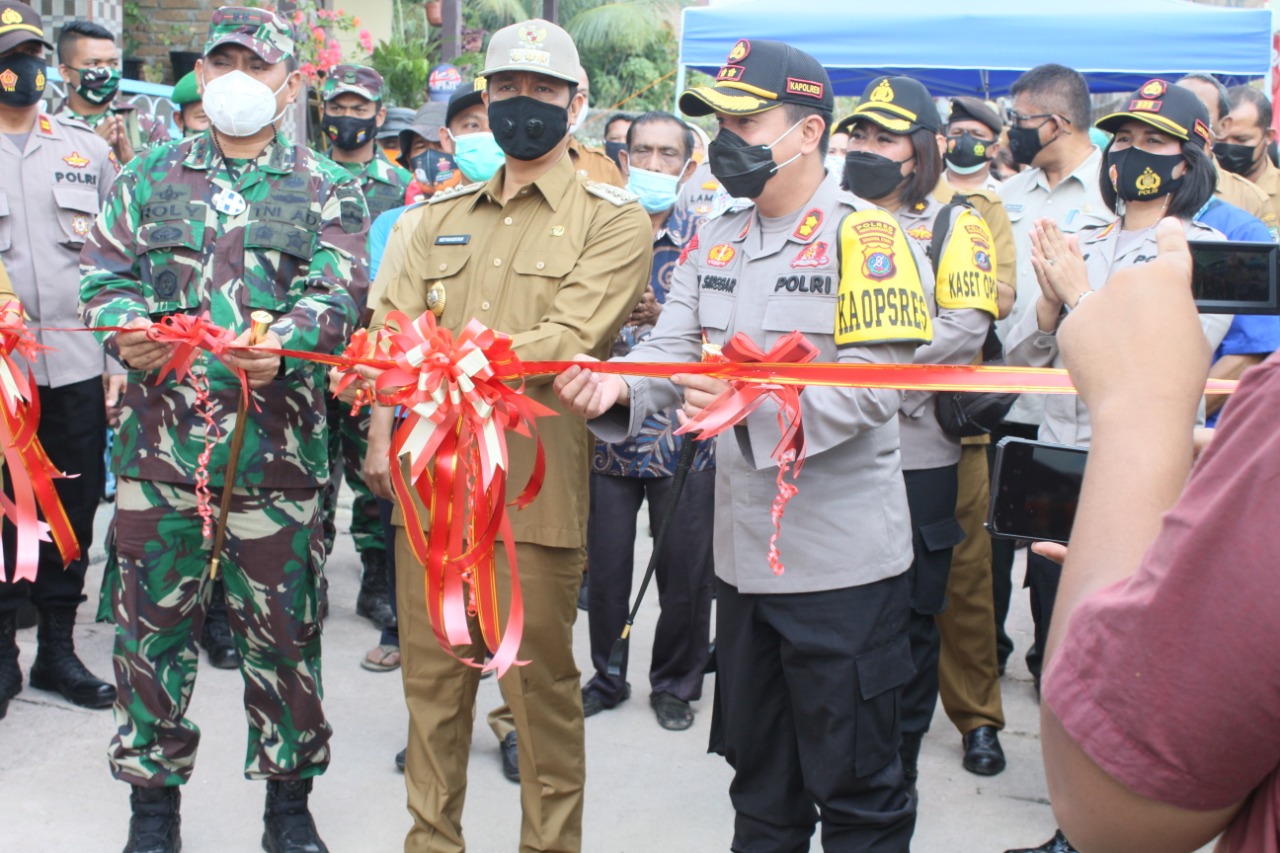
(674, 714)
(382, 658)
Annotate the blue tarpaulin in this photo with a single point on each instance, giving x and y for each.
(965, 48)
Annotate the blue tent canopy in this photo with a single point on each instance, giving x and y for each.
(975, 49)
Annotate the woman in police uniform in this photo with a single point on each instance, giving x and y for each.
(895, 162)
(1155, 166)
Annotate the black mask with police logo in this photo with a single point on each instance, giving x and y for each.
(1138, 175)
(967, 151)
(98, 85)
(348, 133)
(526, 128)
(871, 176)
(21, 80)
(1239, 159)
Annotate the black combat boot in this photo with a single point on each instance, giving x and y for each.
(910, 754)
(154, 827)
(215, 636)
(374, 600)
(287, 823)
(58, 669)
(10, 673)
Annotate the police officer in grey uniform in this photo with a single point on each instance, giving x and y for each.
(812, 661)
(54, 173)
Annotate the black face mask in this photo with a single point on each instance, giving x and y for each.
(1239, 159)
(28, 80)
(1139, 176)
(967, 151)
(1025, 144)
(743, 169)
(871, 176)
(614, 150)
(350, 132)
(526, 128)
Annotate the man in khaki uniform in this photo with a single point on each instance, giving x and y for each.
(591, 162)
(557, 262)
(1246, 133)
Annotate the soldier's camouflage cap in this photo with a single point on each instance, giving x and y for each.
(357, 79)
(20, 23)
(538, 46)
(260, 30)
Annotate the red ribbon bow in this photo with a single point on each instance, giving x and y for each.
(744, 397)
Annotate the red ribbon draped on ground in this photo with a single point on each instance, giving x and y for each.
(30, 470)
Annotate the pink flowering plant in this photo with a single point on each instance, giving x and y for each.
(325, 38)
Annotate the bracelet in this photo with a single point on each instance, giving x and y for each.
(1080, 299)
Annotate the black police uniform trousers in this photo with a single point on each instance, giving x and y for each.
(684, 575)
(807, 696)
(73, 430)
(931, 496)
(1002, 550)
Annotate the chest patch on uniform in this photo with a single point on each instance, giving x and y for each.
(453, 239)
(921, 233)
(812, 255)
(966, 277)
(720, 255)
(880, 297)
(691, 246)
(75, 160)
(166, 284)
(81, 223)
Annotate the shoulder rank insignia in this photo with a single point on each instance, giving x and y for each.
(454, 192)
(614, 195)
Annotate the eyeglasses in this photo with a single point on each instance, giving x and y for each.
(1015, 119)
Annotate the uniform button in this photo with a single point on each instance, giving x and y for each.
(443, 267)
(539, 265)
(523, 192)
(485, 305)
(507, 221)
(497, 262)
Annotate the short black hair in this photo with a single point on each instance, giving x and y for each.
(1249, 95)
(799, 112)
(686, 133)
(1192, 194)
(618, 117)
(924, 177)
(1224, 102)
(1063, 91)
(74, 31)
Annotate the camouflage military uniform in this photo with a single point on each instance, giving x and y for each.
(159, 248)
(384, 187)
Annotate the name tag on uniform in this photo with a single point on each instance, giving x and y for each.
(453, 239)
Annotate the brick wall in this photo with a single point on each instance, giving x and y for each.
(171, 25)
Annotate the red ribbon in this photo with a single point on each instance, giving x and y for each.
(458, 406)
(30, 470)
(743, 397)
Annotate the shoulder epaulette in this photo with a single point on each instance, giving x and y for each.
(454, 192)
(616, 196)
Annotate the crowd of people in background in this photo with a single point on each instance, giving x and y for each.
(1070, 229)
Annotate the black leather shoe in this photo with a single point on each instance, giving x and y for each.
(1057, 844)
(373, 602)
(982, 752)
(287, 823)
(593, 704)
(215, 636)
(57, 668)
(674, 714)
(155, 824)
(510, 757)
(400, 759)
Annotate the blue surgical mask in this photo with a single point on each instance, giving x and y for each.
(657, 191)
(477, 155)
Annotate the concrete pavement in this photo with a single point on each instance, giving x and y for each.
(648, 789)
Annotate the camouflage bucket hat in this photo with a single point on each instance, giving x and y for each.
(357, 79)
(260, 30)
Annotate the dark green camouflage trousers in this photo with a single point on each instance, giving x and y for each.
(271, 567)
(348, 441)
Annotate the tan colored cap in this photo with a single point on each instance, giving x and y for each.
(538, 46)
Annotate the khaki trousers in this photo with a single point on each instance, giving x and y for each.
(968, 677)
(545, 699)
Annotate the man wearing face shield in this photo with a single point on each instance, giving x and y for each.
(656, 161)
(557, 262)
(233, 221)
(89, 62)
(812, 661)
